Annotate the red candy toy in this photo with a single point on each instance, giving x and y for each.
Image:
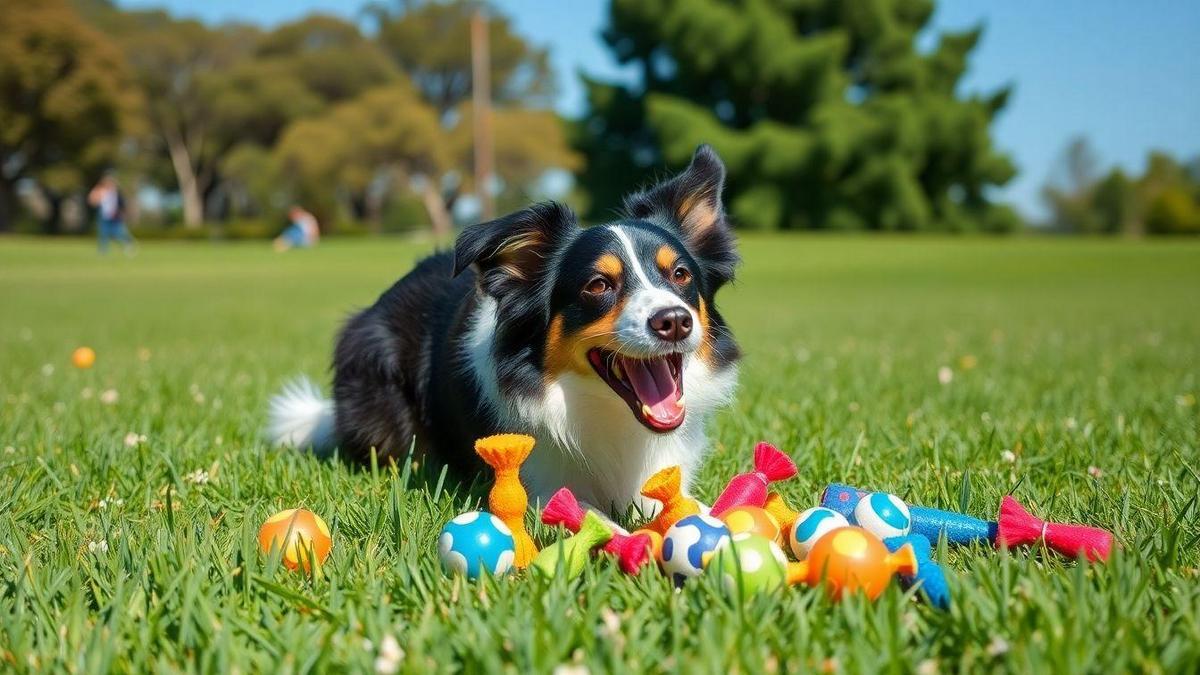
(750, 489)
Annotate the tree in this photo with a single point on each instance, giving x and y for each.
(430, 42)
(825, 111)
(65, 102)
(385, 137)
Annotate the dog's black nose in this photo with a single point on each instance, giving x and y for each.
(671, 324)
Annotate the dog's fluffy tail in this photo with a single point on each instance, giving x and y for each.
(302, 418)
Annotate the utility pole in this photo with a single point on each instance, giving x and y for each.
(481, 96)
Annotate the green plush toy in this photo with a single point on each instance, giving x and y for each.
(574, 551)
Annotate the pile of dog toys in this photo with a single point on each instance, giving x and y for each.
(855, 541)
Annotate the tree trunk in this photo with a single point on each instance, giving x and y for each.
(439, 217)
(189, 186)
(8, 205)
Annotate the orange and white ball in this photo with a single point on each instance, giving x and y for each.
(300, 533)
(83, 358)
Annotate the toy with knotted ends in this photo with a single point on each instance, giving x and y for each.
(505, 453)
(666, 487)
(1013, 527)
(570, 555)
(750, 489)
(631, 550)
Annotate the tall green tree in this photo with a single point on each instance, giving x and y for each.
(826, 112)
(65, 102)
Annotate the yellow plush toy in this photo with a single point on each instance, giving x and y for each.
(508, 500)
(666, 487)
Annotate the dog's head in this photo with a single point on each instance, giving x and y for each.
(630, 302)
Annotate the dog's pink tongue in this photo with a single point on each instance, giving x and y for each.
(654, 386)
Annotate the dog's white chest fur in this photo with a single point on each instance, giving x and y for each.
(588, 440)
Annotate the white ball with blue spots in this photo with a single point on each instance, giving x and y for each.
(883, 515)
(688, 544)
(474, 542)
(811, 526)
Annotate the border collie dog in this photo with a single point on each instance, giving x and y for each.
(604, 343)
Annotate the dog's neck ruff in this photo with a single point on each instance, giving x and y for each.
(587, 438)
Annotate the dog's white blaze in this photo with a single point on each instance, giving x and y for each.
(588, 439)
(644, 300)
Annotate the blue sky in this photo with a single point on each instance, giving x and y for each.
(1125, 74)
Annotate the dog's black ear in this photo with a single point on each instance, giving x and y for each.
(691, 204)
(512, 250)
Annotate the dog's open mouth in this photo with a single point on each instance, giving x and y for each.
(653, 387)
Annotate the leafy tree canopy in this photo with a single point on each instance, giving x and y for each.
(825, 111)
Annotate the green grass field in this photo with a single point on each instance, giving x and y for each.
(1074, 376)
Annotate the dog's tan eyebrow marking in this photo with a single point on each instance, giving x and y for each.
(666, 258)
(610, 266)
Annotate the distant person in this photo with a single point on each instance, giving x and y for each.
(106, 198)
(302, 231)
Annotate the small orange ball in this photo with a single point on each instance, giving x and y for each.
(851, 559)
(752, 519)
(83, 358)
(296, 531)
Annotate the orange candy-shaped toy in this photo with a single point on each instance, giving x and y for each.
(301, 534)
(752, 519)
(851, 559)
(666, 487)
(508, 500)
(83, 358)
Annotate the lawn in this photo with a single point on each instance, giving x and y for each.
(949, 372)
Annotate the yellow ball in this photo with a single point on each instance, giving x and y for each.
(307, 533)
(83, 358)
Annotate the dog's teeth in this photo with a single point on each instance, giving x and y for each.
(616, 371)
(681, 402)
(646, 410)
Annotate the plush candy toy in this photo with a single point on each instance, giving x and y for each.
(632, 550)
(778, 507)
(505, 453)
(476, 541)
(883, 515)
(750, 489)
(929, 575)
(851, 559)
(749, 564)
(573, 551)
(810, 526)
(655, 542)
(666, 487)
(688, 544)
(751, 519)
(1015, 526)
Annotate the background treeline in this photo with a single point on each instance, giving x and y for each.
(826, 111)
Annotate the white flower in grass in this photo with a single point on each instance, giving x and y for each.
(86, 393)
(134, 439)
(571, 669)
(110, 501)
(1095, 472)
(390, 655)
(100, 546)
(109, 396)
(197, 477)
(945, 375)
(9, 450)
(997, 647)
(1008, 456)
(927, 667)
(47, 369)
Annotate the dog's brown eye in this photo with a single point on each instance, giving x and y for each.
(681, 275)
(597, 286)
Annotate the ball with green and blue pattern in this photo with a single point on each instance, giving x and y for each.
(688, 545)
(474, 542)
(883, 515)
